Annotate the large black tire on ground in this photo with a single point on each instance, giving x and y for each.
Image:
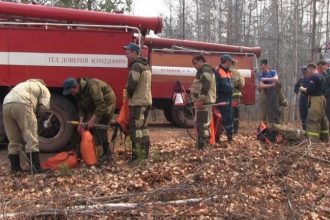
(59, 133)
(3, 137)
(183, 116)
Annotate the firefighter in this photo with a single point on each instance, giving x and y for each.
(303, 98)
(96, 103)
(203, 94)
(20, 109)
(271, 94)
(239, 83)
(139, 100)
(317, 125)
(322, 69)
(225, 86)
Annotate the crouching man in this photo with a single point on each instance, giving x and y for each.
(96, 103)
(20, 107)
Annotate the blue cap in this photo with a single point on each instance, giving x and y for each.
(132, 47)
(227, 57)
(68, 84)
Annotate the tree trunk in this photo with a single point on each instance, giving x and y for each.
(327, 37)
(313, 29)
(183, 19)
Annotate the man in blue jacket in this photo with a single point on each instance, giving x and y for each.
(271, 94)
(225, 87)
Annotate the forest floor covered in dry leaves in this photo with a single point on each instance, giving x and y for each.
(240, 180)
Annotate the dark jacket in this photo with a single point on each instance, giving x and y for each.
(224, 84)
(326, 85)
(314, 86)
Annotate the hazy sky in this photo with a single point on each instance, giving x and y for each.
(149, 7)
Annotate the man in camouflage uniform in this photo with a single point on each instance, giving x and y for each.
(317, 124)
(203, 92)
(96, 103)
(239, 83)
(139, 101)
(20, 107)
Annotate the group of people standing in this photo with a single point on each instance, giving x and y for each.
(213, 90)
(216, 89)
(314, 101)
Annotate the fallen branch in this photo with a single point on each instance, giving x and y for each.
(319, 159)
(88, 209)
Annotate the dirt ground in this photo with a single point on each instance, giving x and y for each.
(240, 180)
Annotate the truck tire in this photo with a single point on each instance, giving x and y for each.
(58, 134)
(3, 137)
(168, 115)
(183, 117)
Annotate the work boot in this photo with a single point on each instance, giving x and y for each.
(134, 155)
(235, 128)
(217, 139)
(201, 144)
(139, 154)
(106, 156)
(35, 162)
(15, 163)
(146, 144)
(324, 138)
(229, 137)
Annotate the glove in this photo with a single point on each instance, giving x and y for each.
(199, 104)
(302, 89)
(41, 110)
(201, 98)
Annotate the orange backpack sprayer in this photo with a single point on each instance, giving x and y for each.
(87, 148)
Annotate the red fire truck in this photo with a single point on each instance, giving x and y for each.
(171, 61)
(54, 43)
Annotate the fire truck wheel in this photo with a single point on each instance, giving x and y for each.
(183, 117)
(3, 137)
(53, 129)
(168, 115)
